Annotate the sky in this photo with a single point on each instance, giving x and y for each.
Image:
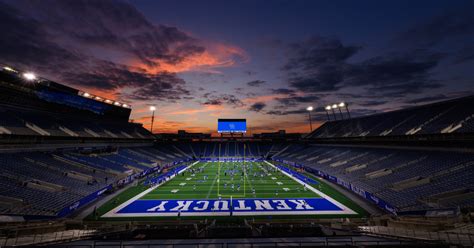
(263, 60)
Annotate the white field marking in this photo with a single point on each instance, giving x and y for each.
(227, 213)
(279, 183)
(113, 212)
(216, 179)
(345, 210)
(187, 179)
(182, 184)
(174, 191)
(286, 189)
(274, 178)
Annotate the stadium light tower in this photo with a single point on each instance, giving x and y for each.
(333, 107)
(341, 105)
(328, 108)
(152, 109)
(310, 108)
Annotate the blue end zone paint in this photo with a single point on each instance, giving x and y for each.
(225, 206)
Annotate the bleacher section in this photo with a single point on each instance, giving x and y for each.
(453, 116)
(407, 179)
(17, 121)
(225, 149)
(43, 183)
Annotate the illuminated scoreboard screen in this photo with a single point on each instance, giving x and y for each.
(231, 125)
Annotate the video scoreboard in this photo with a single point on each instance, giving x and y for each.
(231, 125)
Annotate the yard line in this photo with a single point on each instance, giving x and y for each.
(212, 186)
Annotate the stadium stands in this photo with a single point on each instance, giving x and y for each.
(43, 183)
(453, 116)
(408, 179)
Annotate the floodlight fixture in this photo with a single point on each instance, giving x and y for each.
(334, 106)
(310, 108)
(328, 107)
(152, 109)
(342, 104)
(6, 68)
(86, 94)
(29, 76)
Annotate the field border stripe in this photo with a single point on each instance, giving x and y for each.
(113, 211)
(345, 209)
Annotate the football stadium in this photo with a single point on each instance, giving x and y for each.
(119, 131)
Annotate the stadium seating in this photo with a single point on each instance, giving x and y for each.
(43, 183)
(40, 123)
(408, 179)
(453, 116)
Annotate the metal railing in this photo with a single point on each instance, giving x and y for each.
(458, 238)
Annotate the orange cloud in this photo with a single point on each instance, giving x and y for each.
(216, 55)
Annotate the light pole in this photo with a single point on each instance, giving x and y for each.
(334, 112)
(341, 105)
(152, 109)
(310, 108)
(328, 108)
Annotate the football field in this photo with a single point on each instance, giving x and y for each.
(243, 188)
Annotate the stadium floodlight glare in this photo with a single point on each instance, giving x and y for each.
(342, 104)
(86, 94)
(152, 108)
(125, 105)
(334, 106)
(328, 107)
(117, 104)
(310, 108)
(98, 98)
(29, 76)
(108, 101)
(6, 68)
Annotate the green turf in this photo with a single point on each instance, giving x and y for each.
(265, 187)
(258, 177)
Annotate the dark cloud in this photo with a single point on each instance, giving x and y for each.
(256, 83)
(221, 99)
(318, 51)
(257, 107)
(427, 99)
(283, 91)
(371, 103)
(318, 64)
(293, 101)
(464, 55)
(321, 65)
(63, 41)
(451, 25)
(396, 73)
